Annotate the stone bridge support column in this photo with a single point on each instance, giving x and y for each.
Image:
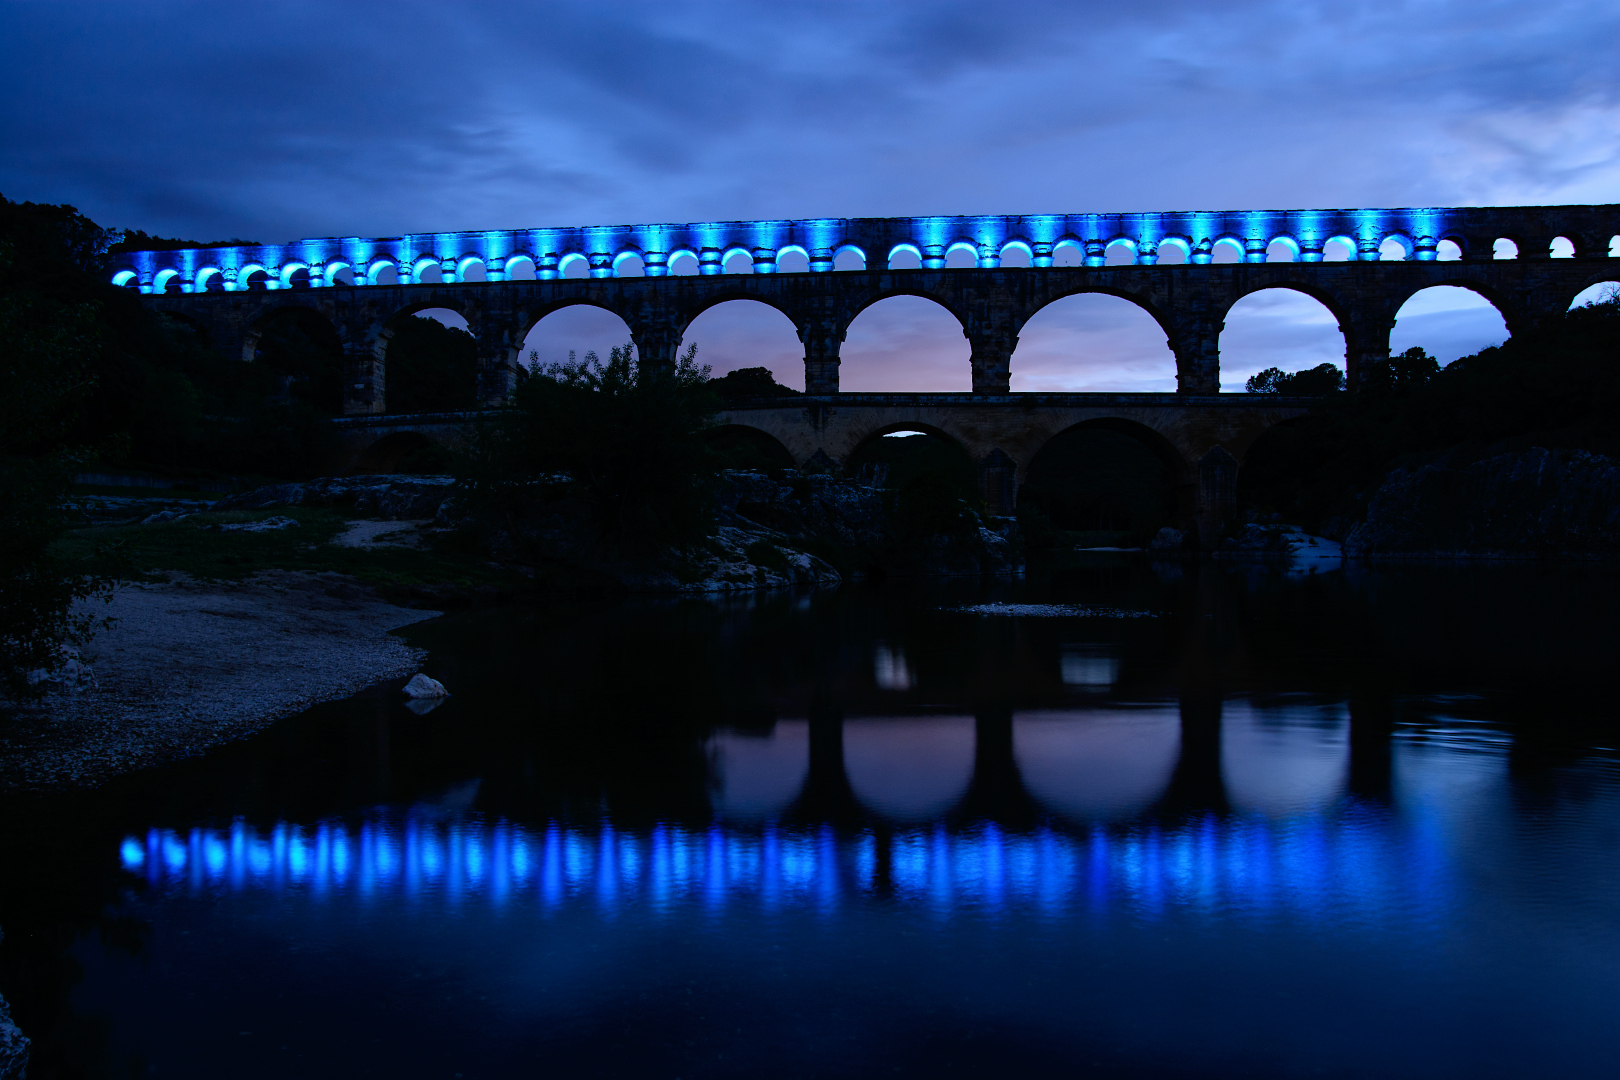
(993, 333)
(364, 370)
(998, 482)
(1217, 495)
(822, 340)
(1195, 338)
(498, 345)
(1366, 341)
(657, 341)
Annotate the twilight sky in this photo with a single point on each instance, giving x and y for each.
(279, 120)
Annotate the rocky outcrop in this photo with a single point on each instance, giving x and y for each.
(1530, 503)
(1286, 541)
(396, 498)
(13, 1047)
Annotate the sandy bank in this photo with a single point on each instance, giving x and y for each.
(190, 665)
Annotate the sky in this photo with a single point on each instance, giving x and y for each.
(280, 120)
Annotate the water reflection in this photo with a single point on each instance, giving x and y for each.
(909, 769)
(1285, 760)
(1089, 667)
(757, 776)
(1238, 864)
(1097, 764)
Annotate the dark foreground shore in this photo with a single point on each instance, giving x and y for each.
(189, 665)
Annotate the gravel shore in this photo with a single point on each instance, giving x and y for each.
(190, 665)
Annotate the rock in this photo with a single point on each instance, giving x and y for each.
(13, 1047)
(383, 496)
(267, 525)
(1168, 539)
(1532, 502)
(421, 686)
(1287, 541)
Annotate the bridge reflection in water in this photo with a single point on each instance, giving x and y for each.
(1355, 863)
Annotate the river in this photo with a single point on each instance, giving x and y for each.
(1117, 818)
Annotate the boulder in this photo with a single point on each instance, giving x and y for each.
(421, 686)
(1168, 539)
(267, 525)
(393, 497)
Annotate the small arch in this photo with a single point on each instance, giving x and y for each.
(382, 272)
(737, 261)
(961, 256)
(1121, 251)
(427, 271)
(1093, 342)
(259, 280)
(521, 268)
(126, 279)
(1614, 247)
(341, 274)
(470, 267)
(745, 333)
(1504, 248)
(1280, 326)
(683, 263)
(747, 447)
(629, 264)
(792, 259)
(166, 281)
(1228, 249)
(577, 328)
(210, 279)
(849, 257)
(1339, 249)
(905, 257)
(1174, 251)
(298, 279)
(1604, 292)
(1448, 250)
(290, 271)
(1562, 247)
(1017, 255)
(1068, 252)
(1447, 322)
(1283, 249)
(905, 344)
(1105, 476)
(1394, 248)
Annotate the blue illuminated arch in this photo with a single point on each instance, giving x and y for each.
(468, 260)
(375, 267)
(963, 245)
(422, 263)
(624, 256)
(288, 270)
(727, 253)
(160, 280)
(1235, 243)
(843, 248)
(123, 277)
(335, 267)
(1180, 243)
(794, 249)
(898, 249)
(1017, 245)
(569, 260)
(1069, 242)
(1286, 241)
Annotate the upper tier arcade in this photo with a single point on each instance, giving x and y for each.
(878, 242)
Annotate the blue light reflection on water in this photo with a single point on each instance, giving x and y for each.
(1360, 862)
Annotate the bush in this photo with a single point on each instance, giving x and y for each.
(1322, 379)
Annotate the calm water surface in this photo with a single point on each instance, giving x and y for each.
(1231, 823)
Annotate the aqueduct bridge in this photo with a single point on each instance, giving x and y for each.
(992, 273)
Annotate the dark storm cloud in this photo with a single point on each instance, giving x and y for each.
(279, 120)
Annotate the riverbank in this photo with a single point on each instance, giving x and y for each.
(190, 664)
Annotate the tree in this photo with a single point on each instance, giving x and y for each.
(46, 373)
(624, 439)
(1319, 380)
(750, 382)
(431, 368)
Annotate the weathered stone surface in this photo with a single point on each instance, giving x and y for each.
(1528, 503)
(395, 498)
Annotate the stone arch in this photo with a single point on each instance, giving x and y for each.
(209, 279)
(379, 270)
(1174, 251)
(1016, 254)
(1109, 474)
(1562, 247)
(1039, 332)
(1599, 289)
(961, 255)
(1226, 249)
(1068, 251)
(1282, 249)
(426, 270)
(1250, 349)
(683, 262)
(886, 452)
(629, 263)
(1340, 248)
(903, 342)
(471, 267)
(1120, 251)
(753, 333)
(126, 278)
(749, 447)
(312, 363)
(1448, 249)
(577, 330)
(1395, 247)
(789, 257)
(846, 254)
(736, 260)
(163, 279)
(1497, 298)
(1505, 248)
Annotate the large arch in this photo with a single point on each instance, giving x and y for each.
(404, 452)
(1093, 341)
(749, 447)
(1285, 326)
(578, 327)
(899, 453)
(1108, 475)
(297, 353)
(905, 342)
(1448, 322)
(431, 363)
(747, 332)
